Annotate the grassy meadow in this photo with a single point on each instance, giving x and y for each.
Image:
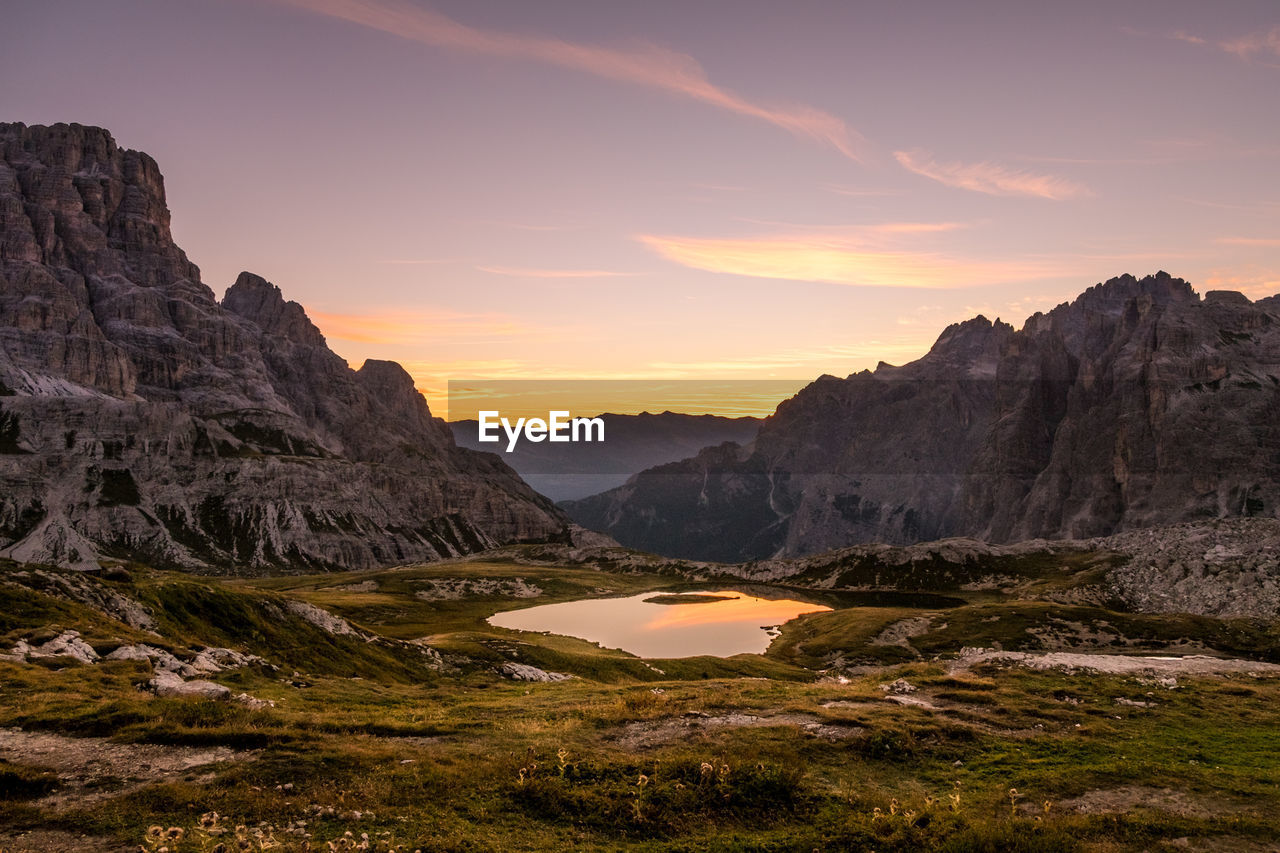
(404, 736)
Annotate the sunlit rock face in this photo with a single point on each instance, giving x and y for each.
(140, 417)
(1138, 404)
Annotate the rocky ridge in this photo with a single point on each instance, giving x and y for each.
(142, 418)
(1138, 404)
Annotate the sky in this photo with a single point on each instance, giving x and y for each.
(508, 189)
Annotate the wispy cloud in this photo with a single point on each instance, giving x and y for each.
(643, 64)
(990, 178)
(863, 257)
(532, 226)
(1248, 47)
(411, 326)
(1250, 241)
(877, 229)
(415, 262)
(533, 272)
(900, 348)
(858, 192)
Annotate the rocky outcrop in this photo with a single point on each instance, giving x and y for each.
(170, 684)
(1139, 404)
(1228, 568)
(525, 672)
(141, 418)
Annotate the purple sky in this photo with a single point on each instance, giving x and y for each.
(683, 189)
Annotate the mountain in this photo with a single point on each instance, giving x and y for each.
(1137, 404)
(632, 444)
(142, 418)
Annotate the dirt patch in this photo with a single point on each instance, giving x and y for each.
(91, 769)
(901, 632)
(51, 841)
(362, 586)
(647, 734)
(912, 701)
(1170, 800)
(1116, 664)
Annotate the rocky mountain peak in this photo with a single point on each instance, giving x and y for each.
(973, 344)
(141, 418)
(1111, 296)
(1135, 405)
(91, 207)
(261, 302)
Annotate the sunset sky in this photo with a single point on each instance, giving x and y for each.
(692, 189)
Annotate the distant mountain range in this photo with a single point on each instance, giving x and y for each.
(1138, 404)
(632, 444)
(141, 418)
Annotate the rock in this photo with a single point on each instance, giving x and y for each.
(66, 644)
(170, 684)
(140, 415)
(19, 653)
(1137, 405)
(525, 672)
(901, 687)
(161, 660)
(205, 662)
(451, 589)
(88, 590)
(255, 704)
(135, 652)
(322, 619)
(1228, 568)
(214, 659)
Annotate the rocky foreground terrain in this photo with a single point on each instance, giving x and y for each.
(1139, 404)
(141, 417)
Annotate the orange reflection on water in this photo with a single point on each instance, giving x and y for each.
(742, 608)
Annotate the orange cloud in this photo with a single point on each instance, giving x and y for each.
(1258, 285)
(837, 259)
(1250, 241)
(644, 65)
(990, 178)
(410, 326)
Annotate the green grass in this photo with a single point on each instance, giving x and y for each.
(369, 737)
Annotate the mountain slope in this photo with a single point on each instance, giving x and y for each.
(140, 417)
(1138, 404)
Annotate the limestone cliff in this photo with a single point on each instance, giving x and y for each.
(1138, 404)
(142, 418)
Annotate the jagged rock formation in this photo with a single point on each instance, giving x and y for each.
(1138, 404)
(142, 418)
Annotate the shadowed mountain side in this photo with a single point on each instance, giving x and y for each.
(1138, 404)
(141, 418)
(632, 443)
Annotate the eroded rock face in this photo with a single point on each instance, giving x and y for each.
(1139, 404)
(140, 417)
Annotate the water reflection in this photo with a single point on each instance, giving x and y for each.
(645, 625)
